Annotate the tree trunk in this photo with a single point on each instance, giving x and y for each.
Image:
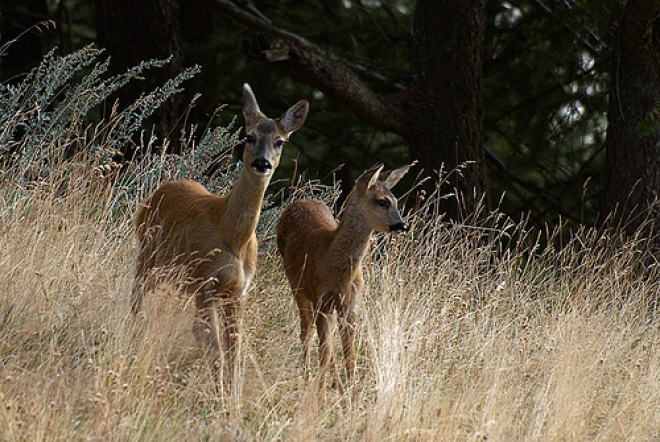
(447, 77)
(631, 178)
(134, 31)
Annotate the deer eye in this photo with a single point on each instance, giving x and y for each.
(279, 143)
(249, 139)
(382, 202)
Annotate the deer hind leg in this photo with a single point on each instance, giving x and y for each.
(306, 332)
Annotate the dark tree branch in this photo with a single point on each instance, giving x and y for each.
(248, 16)
(307, 63)
(593, 50)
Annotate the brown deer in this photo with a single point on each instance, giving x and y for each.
(323, 261)
(212, 238)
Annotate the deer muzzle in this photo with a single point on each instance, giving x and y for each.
(261, 165)
(399, 228)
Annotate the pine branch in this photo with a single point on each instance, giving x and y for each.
(305, 62)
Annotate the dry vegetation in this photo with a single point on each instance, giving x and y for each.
(459, 339)
(466, 333)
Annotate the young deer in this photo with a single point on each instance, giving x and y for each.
(323, 260)
(212, 238)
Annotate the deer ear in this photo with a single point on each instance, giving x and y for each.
(391, 177)
(294, 117)
(369, 178)
(251, 111)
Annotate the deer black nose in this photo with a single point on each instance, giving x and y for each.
(399, 228)
(261, 165)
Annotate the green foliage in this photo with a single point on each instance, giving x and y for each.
(545, 90)
(130, 120)
(45, 116)
(46, 120)
(545, 69)
(651, 124)
(27, 115)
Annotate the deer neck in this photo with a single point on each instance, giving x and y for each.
(352, 237)
(243, 207)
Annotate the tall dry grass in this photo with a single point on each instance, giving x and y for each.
(465, 333)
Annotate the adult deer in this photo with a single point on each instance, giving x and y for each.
(323, 260)
(212, 238)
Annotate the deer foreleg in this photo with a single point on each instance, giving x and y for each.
(232, 340)
(347, 332)
(207, 332)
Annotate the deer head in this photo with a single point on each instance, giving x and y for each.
(265, 136)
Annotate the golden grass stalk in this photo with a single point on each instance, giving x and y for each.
(462, 336)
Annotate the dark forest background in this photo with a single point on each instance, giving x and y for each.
(546, 107)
